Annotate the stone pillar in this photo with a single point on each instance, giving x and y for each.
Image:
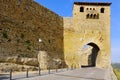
(98, 60)
(43, 59)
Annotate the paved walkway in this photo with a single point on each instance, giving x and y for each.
(77, 74)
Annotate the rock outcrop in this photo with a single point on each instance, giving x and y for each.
(18, 60)
(6, 67)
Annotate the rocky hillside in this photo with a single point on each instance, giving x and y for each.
(23, 23)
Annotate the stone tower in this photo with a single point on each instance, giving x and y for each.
(90, 25)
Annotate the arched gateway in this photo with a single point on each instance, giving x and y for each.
(90, 25)
(90, 55)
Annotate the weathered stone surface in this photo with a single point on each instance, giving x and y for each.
(86, 53)
(17, 60)
(22, 23)
(45, 61)
(5, 67)
(90, 31)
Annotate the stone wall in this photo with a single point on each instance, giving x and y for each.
(85, 56)
(68, 22)
(23, 23)
(86, 31)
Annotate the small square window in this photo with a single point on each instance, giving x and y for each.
(102, 10)
(81, 9)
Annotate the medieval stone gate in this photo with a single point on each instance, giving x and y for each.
(90, 25)
(63, 39)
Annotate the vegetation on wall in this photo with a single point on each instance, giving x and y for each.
(28, 42)
(5, 35)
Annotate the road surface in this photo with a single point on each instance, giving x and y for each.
(76, 74)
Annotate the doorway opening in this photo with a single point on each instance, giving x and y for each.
(89, 55)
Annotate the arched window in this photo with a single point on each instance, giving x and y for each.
(81, 9)
(87, 8)
(102, 10)
(87, 16)
(91, 16)
(94, 16)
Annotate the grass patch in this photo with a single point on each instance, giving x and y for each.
(117, 73)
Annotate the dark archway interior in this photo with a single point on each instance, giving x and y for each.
(93, 56)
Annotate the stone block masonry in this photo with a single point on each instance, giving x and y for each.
(91, 27)
(22, 23)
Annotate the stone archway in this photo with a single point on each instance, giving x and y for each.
(90, 54)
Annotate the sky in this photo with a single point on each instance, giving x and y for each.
(64, 8)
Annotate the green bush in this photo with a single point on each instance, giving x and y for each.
(5, 35)
(117, 73)
(28, 48)
(28, 42)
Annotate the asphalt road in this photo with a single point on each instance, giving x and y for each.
(77, 74)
